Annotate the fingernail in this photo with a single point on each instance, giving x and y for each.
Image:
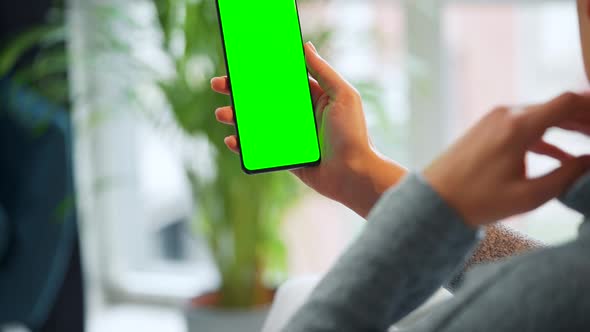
(226, 140)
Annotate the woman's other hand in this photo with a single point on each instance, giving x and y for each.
(483, 176)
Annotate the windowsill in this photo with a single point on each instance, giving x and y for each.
(170, 288)
(125, 318)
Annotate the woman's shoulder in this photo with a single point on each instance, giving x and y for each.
(544, 290)
(563, 270)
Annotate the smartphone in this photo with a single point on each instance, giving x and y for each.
(270, 91)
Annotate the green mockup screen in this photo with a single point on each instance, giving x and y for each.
(270, 89)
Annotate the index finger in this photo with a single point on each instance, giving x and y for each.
(220, 84)
(327, 77)
(565, 108)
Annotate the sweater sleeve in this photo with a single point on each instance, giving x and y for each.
(411, 246)
(543, 290)
(578, 196)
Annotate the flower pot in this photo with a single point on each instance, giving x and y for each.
(202, 316)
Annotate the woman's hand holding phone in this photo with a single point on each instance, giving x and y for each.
(351, 171)
(483, 175)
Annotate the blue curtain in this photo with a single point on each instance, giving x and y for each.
(37, 207)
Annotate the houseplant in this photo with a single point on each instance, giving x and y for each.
(37, 57)
(239, 215)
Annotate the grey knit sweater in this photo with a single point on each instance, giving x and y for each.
(415, 242)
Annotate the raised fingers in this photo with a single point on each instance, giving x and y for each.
(220, 84)
(561, 111)
(316, 90)
(225, 115)
(550, 150)
(328, 78)
(232, 143)
(541, 189)
(581, 125)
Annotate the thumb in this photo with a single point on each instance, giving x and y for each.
(328, 78)
(558, 181)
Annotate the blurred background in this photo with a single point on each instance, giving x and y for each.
(159, 222)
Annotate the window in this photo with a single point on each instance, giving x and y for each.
(500, 54)
(427, 70)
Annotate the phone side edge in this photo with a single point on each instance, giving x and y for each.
(231, 95)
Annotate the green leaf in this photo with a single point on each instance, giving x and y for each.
(11, 53)
(48, 63)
